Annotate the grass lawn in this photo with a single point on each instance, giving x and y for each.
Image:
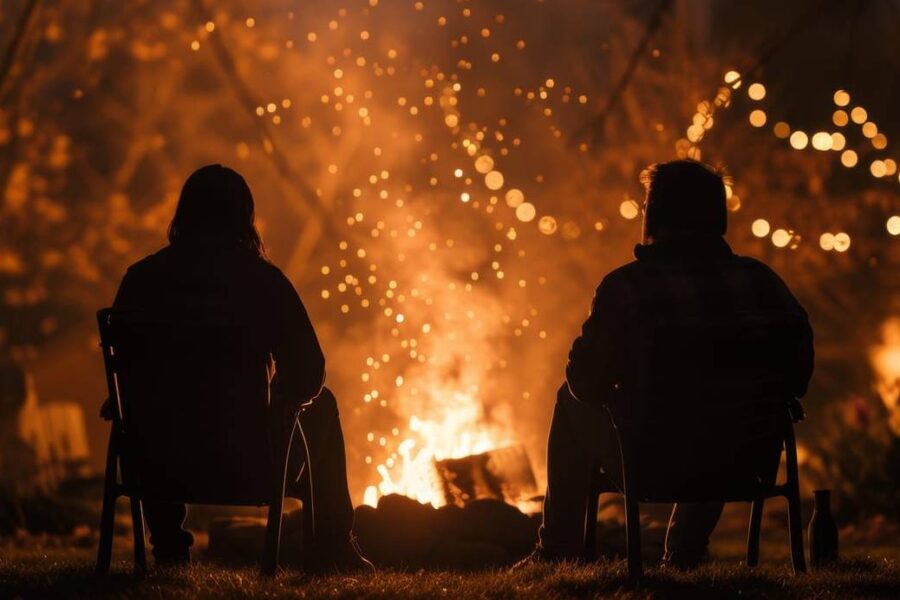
(53, 573)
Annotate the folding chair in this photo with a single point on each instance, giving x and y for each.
(190, 424)
(707, 420)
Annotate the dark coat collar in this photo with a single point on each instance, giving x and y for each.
(697, 249)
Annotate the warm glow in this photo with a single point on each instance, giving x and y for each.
(525, 212)
(758, 118)
(821, 141)
(781, 238)
(838, 141)
(484, 163)
(494, 180)
(799, 140)
(841, 242)
(782, 130)
(849, 158)
(893, 225)
(859, 115)
(760, 228)
(869, 129)
(629, 209)
(756, 91)
(733, 78)
(826, 241)
(841, 98)
(840, 118)
(547, 225)
(514, 197)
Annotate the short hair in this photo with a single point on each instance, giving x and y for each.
(684, 197)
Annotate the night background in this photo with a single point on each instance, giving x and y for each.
(445, 183)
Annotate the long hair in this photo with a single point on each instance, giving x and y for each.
(216, 208)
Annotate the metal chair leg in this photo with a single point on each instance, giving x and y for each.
(108, 512)
(590, 525)
(793, 497)
(753, 534)
(273, 538)
(633, 537)
(137, 525)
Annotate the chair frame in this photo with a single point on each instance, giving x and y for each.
(790, 490)
(121, 480)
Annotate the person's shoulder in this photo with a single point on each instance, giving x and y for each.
(756, 266)
(624, 274)
(151, 262)
(621, 282)
(267, 270)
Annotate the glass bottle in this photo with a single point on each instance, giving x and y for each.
(823, 532)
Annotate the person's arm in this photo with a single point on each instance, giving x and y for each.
(129, 292)
(801, 369)
(592, 369)
(804, 358)
(299, 362)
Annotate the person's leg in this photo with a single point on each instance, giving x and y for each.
(171, 543)
(331, 517)
(329, 544)
(689, 529)
(581, 440)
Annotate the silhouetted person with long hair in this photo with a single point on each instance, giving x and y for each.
(216, 264)
(684, 269)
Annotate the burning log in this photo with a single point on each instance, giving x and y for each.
(503, 474)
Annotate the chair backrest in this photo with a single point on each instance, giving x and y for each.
(706, 412)
(190, 400)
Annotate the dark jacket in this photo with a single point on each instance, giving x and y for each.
(696, 280)
(184, 281)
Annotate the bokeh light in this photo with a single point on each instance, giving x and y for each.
(756, 91)
(525, 212)
(781, 238)
(841, 98)
(841, 242)
(629, 209)
(893, 225)
(758, 118)
(849, 158)
(760, 228)
(799, 140)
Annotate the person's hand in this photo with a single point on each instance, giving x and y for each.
(796, 410)
(106, 410)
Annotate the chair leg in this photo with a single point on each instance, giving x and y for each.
(137, 525)
(633, 537)
(796, 530)
(793, 498)
(753, 534)
(273, 538)
(108, 512)
(590, 525)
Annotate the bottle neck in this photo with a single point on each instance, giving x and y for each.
(823, 500)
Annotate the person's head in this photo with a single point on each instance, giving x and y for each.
(215, 208)
(685, 198)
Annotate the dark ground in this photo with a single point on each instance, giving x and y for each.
(67, 573)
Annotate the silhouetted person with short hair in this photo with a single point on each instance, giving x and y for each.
(683, 269)
(216, 264)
